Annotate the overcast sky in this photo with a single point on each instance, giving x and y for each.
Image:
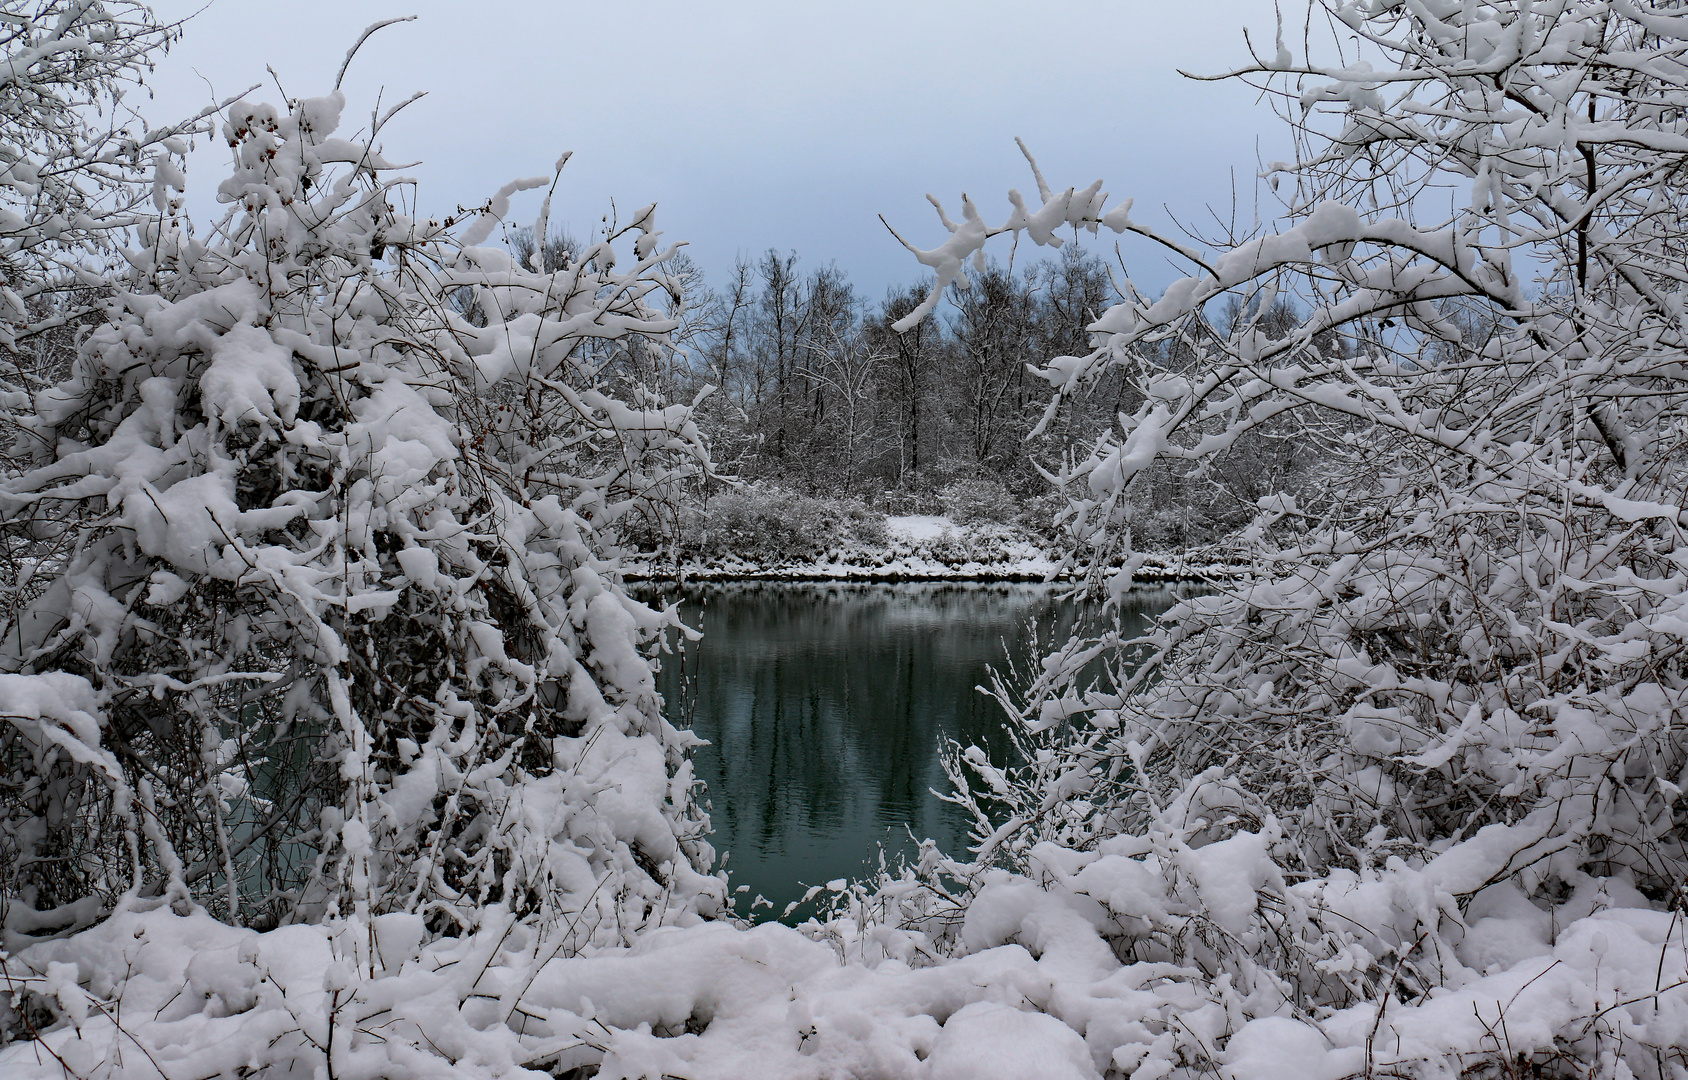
(759, 124)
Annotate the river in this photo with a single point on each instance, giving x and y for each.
(825, 705)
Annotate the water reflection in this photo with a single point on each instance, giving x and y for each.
(825, 704)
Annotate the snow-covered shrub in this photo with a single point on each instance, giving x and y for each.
(69, 154)
(973, 500)
(337, 627)
(983, 543)
(1455, 691)
(768, 524)
(1037, 514)
(69, 149)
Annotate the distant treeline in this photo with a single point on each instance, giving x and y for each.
(817, 395)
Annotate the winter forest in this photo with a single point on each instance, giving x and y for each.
(331, 737)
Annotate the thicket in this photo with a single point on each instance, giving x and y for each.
(1451, 697)
(315, 609)
(769, 524)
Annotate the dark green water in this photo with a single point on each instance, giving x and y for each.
(825, 705)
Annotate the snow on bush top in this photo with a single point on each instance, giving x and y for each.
(327, 511)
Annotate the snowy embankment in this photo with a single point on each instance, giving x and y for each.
(1032, 986)
(926, 547)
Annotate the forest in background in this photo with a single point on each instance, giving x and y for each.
(813, 399)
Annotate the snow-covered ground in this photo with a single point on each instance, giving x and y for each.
(917, 527)
(1035, 987)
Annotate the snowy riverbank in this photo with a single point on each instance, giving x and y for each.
(924, 547)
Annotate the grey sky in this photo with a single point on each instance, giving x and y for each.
(758, 124)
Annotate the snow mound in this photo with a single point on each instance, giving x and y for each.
(915, 527)
(1034, 986)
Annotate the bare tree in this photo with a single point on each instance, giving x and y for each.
(915, 358)
(845, 365)
(995, 333)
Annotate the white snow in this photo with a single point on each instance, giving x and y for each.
(918, 526)
(928, 547)
(1037, 993)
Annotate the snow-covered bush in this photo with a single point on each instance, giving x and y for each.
(337, 629)
(973, 500)
(69, 150)
(1454, 693)
(767, 524)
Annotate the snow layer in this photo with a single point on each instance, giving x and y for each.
(918, 526)
(1036, 988)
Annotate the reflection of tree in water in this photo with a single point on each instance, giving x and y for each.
(825, 705)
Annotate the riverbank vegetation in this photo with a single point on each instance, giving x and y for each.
(814, 395)
(331, 745)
